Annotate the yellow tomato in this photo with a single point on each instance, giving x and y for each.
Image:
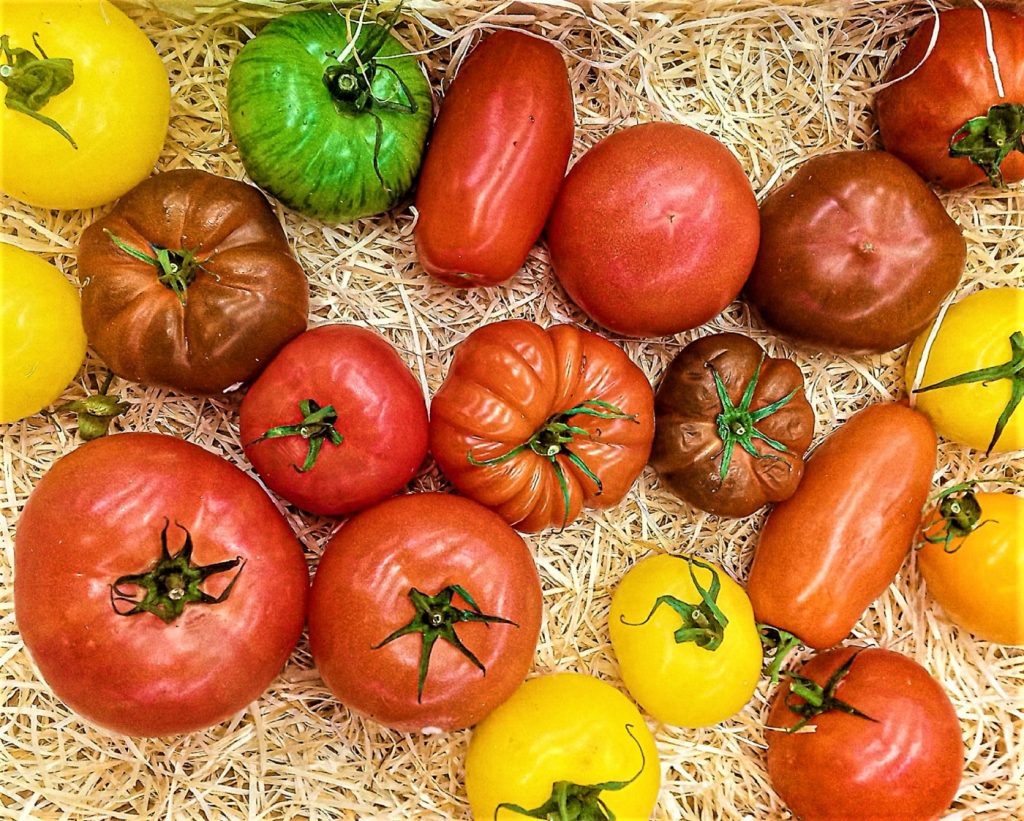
(676, 658)
(115, 108)
(975, 333)
(563, 733)
(42, 342)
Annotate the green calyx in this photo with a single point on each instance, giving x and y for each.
(96, 412)
(172, 584)
(777, 644)
(316, 427)
(956, 517)
(988, 140)
(817, 700)
(175, 269)
(703, 622)
(578, 802)
(436, 618)
(1012, 369)
(31, 81)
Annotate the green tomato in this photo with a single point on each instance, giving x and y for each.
(330, 114)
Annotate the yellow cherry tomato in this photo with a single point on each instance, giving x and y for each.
(686, 640)
(563, 737)
(981, 332)
(79, 72)
(972, 560)
(42, 342)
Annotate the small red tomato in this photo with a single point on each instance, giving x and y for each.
(495, 161)
(336, 422)
(655, 230)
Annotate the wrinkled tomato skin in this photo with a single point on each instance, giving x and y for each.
(918, 115)
(655, 230)
(826, 553)
(382, 418)
(495, 161)
(96, 516)
(905, 765)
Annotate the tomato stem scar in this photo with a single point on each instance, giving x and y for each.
(989, 139)
(818, 700)
(177, 269)
(31, 81)
(316, 427)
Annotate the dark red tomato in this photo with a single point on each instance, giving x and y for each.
(495, 161)
(957, 101)
(425, 612)
(831, 548)
(336, 422)
(884, 745)
(157, 588)
(655, 230)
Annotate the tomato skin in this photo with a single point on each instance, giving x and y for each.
(905, 765)
(829, 551)
(85, 527)
(918, 115)
(360, 596)
(654, 230)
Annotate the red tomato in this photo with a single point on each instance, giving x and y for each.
(655, 230)
(336, 422)
(139, 515)
(425, 612)
(903, 761)
(495, 161)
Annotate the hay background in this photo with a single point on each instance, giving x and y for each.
(777, 83)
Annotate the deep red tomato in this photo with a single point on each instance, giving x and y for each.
(899, 756)
(336, 422)
(495, 161)
(425, 612)
(157, 588)
(655, 230)
(951, 103)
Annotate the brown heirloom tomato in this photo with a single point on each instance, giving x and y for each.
(856, 253)
(189, 283)
(495, 161)
(425, 612)
(829, 551)
(731, 426)
(948, 117)
(538, 424)
(884, 744)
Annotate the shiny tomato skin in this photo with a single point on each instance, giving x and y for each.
(826, 553)
(96, 516)
(382, 418)
(655, 230)
(360, 595)
(905, 765)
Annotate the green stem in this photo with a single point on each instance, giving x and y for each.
(817, 700)
(957, 515)
(176, 269)
(989, 139)
(316, 427)
(778, 644)
(31, 81)
(96, 412)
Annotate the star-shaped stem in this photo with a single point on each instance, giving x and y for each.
(31, 81)
(316, 427)
(989, 139)
(955, 517)
(175, 269)
(818, 700)
(96, 412)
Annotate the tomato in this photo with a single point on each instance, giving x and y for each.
(496, 160)
(156, 587)
(829, 551)
(676, 619)
(563, 736)
(444, 568)
(884, 744)
(336, 422)
(973, 376)
(42, 343)
(86, 103)
(655, 230)
(953, 116)
(731, 426)
(538, 424)
(330, 113)
(972, 559)
(856, 253)
(189, 283)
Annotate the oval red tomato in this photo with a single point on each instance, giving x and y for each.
(655, 230)
(157, 588)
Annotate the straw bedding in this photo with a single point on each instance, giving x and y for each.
(777, 83)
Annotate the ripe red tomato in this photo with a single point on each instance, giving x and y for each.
(495, 161)
(336, 422)
(425, 612)
(157, 588)
(900, 756)
(655, 230)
